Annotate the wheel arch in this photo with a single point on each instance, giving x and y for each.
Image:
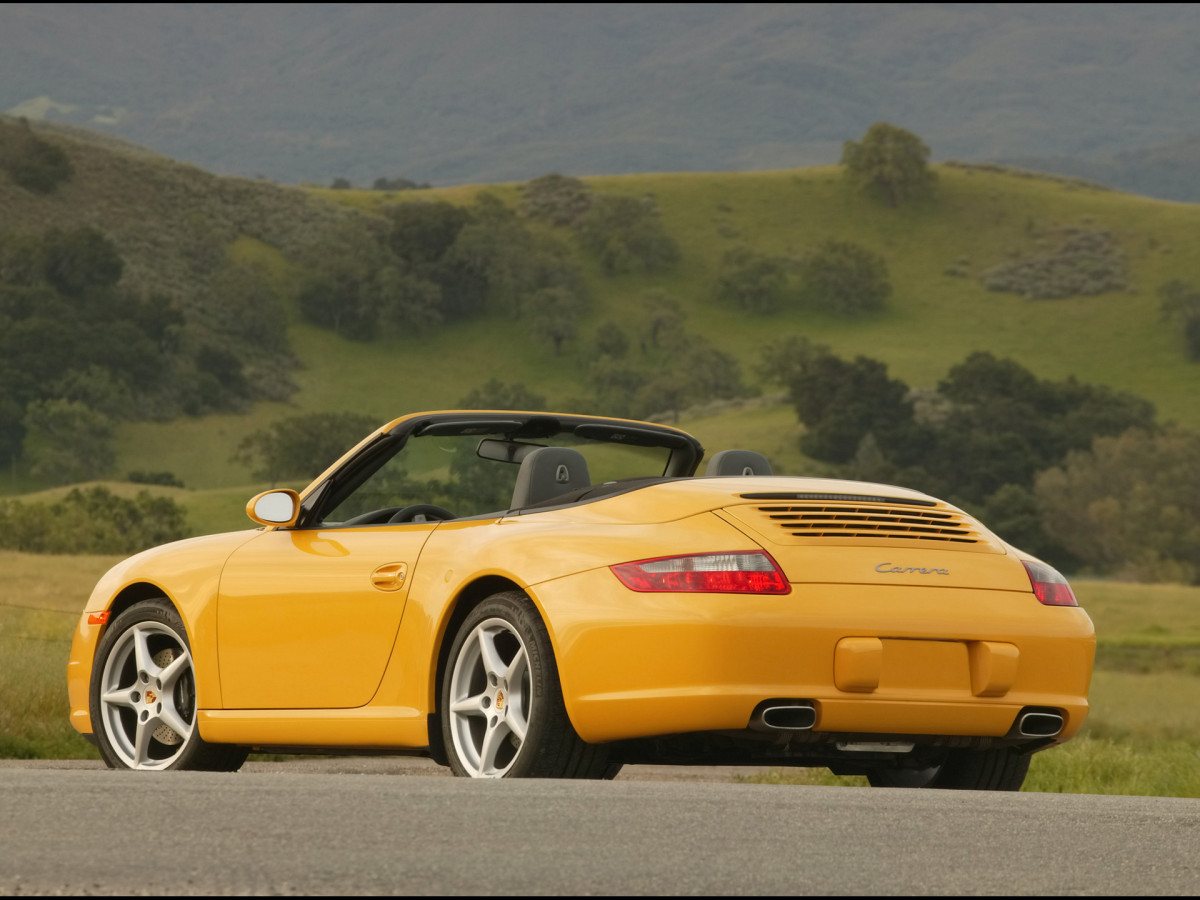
(136, 593)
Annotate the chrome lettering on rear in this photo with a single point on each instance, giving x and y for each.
(886, 568)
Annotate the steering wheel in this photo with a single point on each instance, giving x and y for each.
(421, 512)
(374, 517)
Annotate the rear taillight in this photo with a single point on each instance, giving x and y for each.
(719, 573)
(1048, 585)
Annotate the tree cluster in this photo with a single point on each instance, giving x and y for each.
(439, 263)
(625, 234)
(301, 447)
(980, 440)
(664, 371)
(78, 352)
(837, 277)
(1129, 505)
(382, 183)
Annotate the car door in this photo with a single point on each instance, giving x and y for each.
(307, 618)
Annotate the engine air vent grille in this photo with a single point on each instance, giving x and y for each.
(870, 521)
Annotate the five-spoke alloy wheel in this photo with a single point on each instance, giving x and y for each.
(491, 698)
(143, 695)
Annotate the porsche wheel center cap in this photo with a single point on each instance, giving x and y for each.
(150, 698)
(500, 700)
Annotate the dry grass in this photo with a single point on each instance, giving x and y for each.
(40, 601)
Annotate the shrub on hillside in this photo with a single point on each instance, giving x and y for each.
(66, 441)
(398, 184)
(33, 163)
(559, 199)
(1180, 303)
(91, 521)
(497, 394)
(1088, 262)
(752, 281)
(626, 235)
(844, 278)
(166, 479)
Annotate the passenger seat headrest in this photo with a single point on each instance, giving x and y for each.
(548, 472)
(738, 462)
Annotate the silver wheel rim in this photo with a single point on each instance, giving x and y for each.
(491, 699)
(148, 697)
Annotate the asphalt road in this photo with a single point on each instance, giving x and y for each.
(382, 827)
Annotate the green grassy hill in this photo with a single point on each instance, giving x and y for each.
(977, 218)
(932, 322)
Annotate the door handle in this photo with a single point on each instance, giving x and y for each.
(389, 576)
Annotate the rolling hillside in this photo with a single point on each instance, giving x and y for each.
(935, 251)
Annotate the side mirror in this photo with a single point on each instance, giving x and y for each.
(280, 507)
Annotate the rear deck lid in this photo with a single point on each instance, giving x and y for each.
(897, 537)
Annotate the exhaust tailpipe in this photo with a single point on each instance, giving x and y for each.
(784, 715)
(1040, 723)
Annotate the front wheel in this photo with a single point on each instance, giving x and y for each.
(501, 706)
(997, 769)
(143, 696)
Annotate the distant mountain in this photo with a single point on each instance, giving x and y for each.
(464, 93)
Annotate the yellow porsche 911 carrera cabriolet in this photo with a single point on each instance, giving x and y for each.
(528, 594)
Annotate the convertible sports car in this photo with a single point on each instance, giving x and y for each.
(549, 595)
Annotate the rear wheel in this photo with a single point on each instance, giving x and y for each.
(997, 769)
(143, 696)
(501, 708)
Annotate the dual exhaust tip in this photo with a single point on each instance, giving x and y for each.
(801, 715)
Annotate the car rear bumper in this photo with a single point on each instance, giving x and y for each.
(871, 659)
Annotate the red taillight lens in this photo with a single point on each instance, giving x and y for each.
(1048, 586)
(719, 573)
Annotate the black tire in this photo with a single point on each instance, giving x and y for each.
(998, 769)
(143, 696)
(501, 704)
